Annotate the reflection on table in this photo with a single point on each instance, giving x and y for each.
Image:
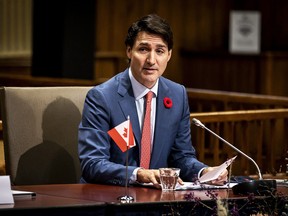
(79, 199)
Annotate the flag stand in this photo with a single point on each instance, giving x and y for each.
(127, 198)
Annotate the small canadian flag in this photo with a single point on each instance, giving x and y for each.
(122, 135)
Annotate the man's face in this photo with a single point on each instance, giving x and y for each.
(149, 57)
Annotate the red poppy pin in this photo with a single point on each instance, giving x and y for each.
(168, 102)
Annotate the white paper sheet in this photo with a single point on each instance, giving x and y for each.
(5, 190)
(214, 174)
(195, 186)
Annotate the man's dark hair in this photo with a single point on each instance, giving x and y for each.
(152, 24)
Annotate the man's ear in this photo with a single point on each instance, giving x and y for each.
(169, 54)
(128, 52)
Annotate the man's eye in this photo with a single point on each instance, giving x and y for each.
(142, 49)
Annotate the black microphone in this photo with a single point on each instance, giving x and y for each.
(259, 187)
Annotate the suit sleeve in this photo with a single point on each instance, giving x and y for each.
(100, 160)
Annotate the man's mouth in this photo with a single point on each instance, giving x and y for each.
(150, 69)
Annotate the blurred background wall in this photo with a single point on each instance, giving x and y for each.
(84, 40)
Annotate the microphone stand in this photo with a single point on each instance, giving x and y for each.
(259, 187)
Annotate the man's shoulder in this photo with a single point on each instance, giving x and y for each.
(170, 83)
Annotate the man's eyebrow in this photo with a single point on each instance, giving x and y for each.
(161, 46)
(158, 45)
(144, 44)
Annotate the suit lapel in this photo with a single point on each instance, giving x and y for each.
(129, 109)
(127, 104)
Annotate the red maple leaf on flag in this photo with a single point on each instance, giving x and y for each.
(125, 132)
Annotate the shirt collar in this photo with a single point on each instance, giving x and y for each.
(140, 90)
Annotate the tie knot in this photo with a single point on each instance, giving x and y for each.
(149, 96)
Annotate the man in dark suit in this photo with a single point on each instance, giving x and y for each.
(149, 45)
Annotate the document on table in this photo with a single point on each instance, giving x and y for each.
(193, 186)
(212, 175)
(198, 186)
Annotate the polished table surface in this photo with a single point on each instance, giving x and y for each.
(110, 194)
(103, 199)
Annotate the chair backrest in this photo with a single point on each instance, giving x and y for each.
(40, 133)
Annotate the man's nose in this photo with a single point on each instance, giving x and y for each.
(151, 58)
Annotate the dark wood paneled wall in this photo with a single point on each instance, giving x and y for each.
(201, 27)
(201, 37)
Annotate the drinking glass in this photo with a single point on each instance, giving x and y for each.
(169, 178)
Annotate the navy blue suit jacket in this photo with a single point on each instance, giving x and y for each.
(108, 105)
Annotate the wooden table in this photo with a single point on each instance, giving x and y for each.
(83, 199)
(52, 205)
